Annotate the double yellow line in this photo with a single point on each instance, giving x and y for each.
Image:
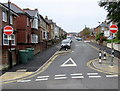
(91, 61)
(40, 70)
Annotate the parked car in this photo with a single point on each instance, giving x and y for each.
(69, 38)
(65, 44)
(79, 39)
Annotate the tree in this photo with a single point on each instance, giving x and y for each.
(113, 9)
(85, 32)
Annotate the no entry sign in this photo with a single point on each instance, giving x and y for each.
(8, 30)
(113, 29)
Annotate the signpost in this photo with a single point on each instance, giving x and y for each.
(8, 30)
(113, 29)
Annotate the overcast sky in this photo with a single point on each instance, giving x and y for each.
(71, 15)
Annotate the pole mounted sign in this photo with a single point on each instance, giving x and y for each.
(8, 30)
(113, 29)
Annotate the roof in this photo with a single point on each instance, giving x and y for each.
(50, 21)
(14, 7)
(6, 7)
(31, 12)
(43, 19)
(103, 25)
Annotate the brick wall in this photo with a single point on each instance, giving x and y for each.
(5, 58)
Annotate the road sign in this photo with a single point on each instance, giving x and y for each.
(113, 29)
(8, 30)
(66, 63)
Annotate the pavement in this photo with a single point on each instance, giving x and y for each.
(106, 66)
(40, 59)
(32, 66)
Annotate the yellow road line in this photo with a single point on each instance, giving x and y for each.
(88, 64)
(40, 70)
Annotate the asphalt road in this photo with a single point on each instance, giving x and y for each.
(69, 71)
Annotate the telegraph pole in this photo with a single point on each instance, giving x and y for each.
(10, 51)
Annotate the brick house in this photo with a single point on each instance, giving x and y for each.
(4, 20)
(23, 28)
(51, 31)
(44, 31)
(34, 22)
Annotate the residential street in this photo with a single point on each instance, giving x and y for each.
(68, 71)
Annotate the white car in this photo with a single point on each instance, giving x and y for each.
(65, 44)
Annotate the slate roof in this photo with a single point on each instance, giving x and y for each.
(14, 7)
(31, 12)
(3, 5)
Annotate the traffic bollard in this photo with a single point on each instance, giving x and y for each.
(104, 55)
(112, 56)
(100, 56)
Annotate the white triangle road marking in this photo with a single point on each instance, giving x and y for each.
(65, 63)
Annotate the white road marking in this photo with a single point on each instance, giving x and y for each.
(77, 77)
(65, 63)
(92, 73)
(42, 76)
(76, 74)
(41, 79)
(61, 78)
(94, 76)
(87, 41)
(111, 75)
(60, 75)
(23, 80)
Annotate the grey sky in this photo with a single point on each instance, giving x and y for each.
(71, 15)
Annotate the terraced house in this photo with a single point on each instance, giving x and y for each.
(31, 30)
(44, 33)
(4, 39)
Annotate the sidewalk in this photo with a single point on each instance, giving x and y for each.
(108, 50)
(105, 66)
(23, 70)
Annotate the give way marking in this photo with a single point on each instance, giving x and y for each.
(65, 64)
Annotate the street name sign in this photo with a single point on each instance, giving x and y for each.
(8, 30)
(113, 29)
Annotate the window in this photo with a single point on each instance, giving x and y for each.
(34, 38)
(4, 16)
(6, 39)
(44, 34)
(35, 23)
(27, 21)
(11, 19)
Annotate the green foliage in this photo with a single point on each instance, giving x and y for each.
(114, 41)
(113, 9)
(98, 36)
(85, 32)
